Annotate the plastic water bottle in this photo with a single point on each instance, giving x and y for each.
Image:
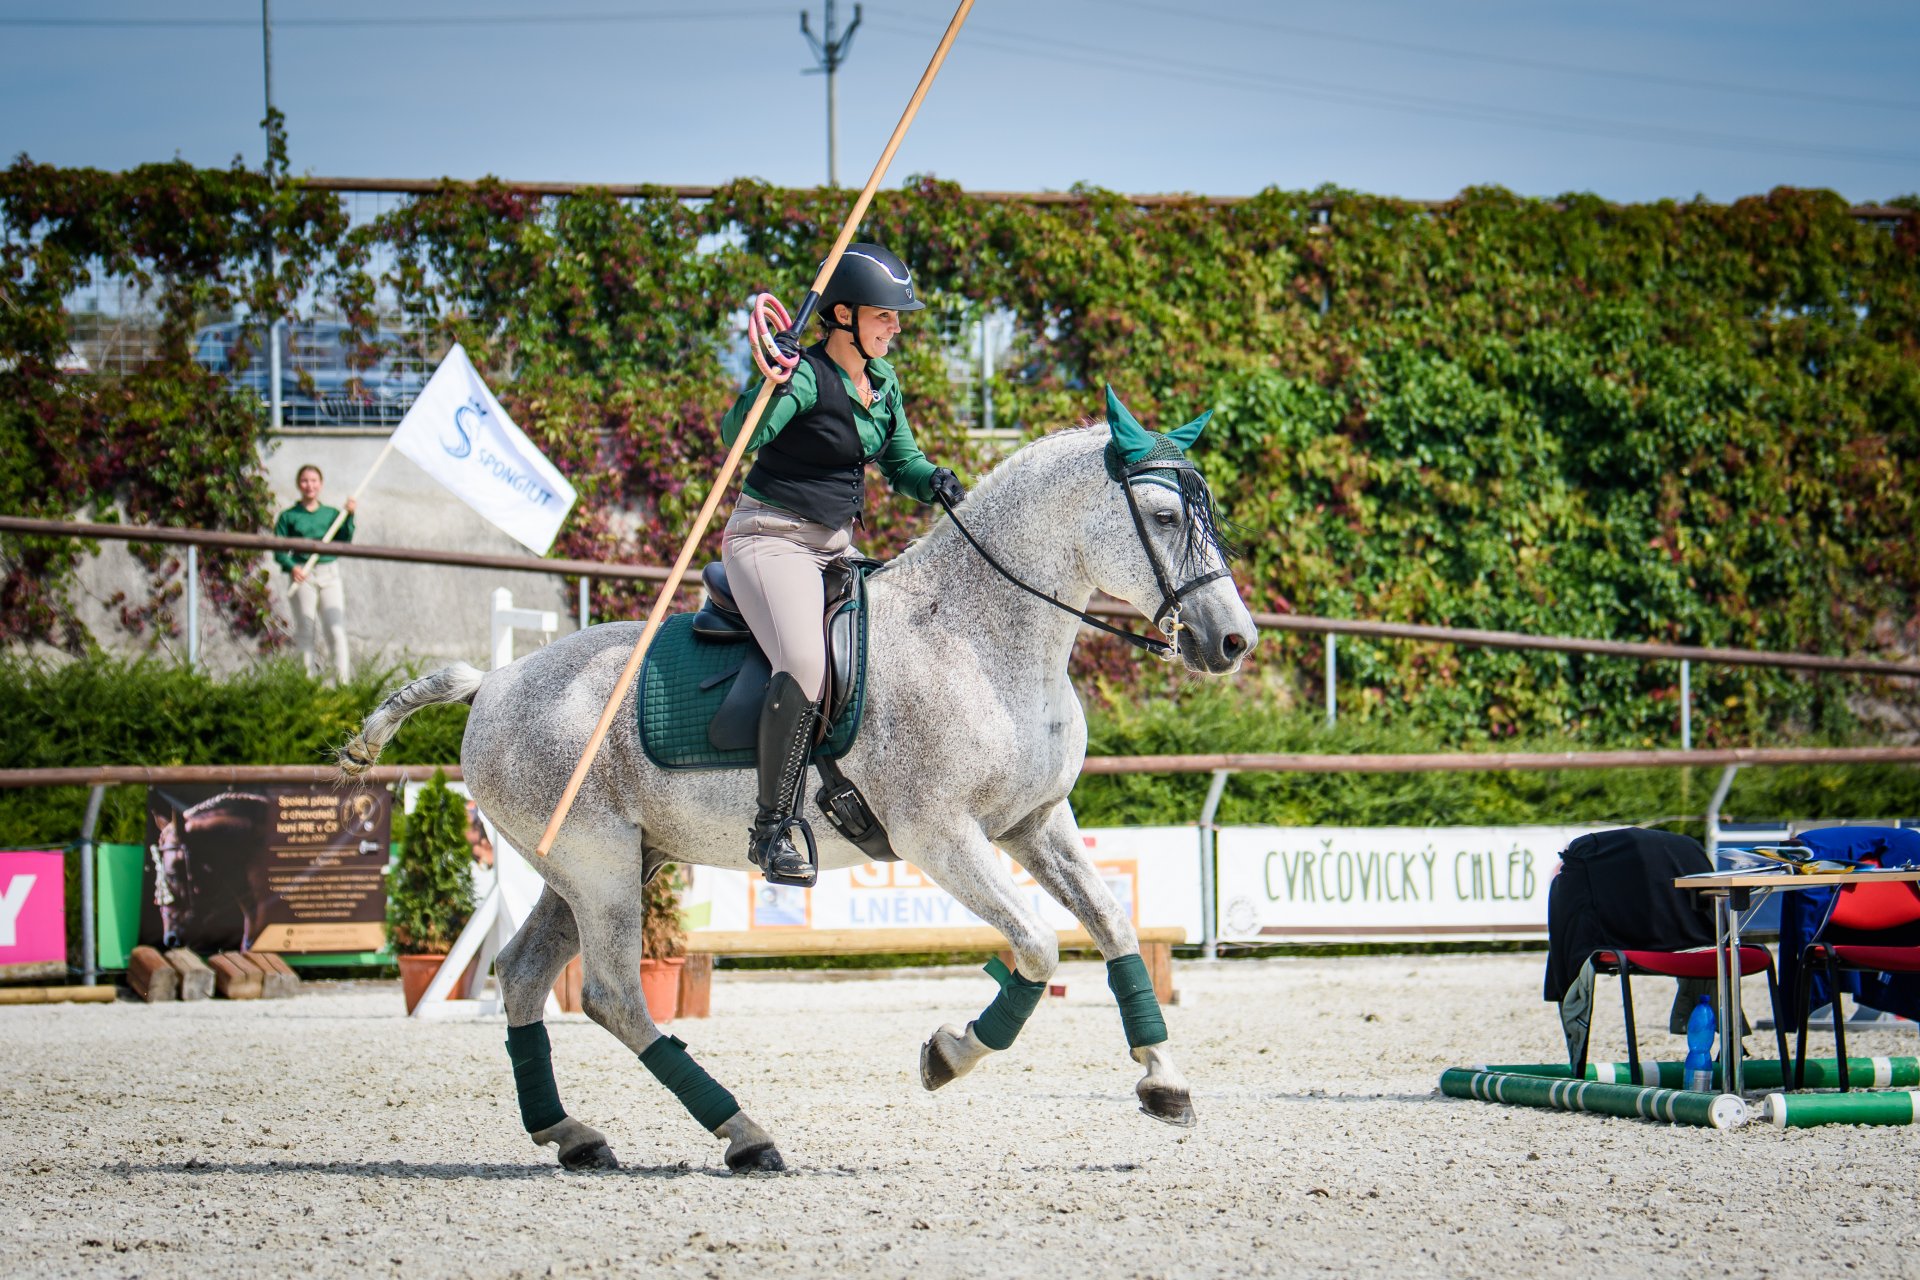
(1700, 1032)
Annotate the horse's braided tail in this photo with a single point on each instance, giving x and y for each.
(457, 683)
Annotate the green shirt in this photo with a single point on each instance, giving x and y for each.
(298, 522)
(905, 467)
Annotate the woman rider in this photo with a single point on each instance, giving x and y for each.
(840, 410)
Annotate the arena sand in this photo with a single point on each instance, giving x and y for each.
(328, 1136)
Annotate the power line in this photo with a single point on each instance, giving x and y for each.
(1157, 67)
(1771, 92)
(469, 20)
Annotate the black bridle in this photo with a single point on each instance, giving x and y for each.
(1167, 616)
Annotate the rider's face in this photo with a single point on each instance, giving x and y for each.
(878, 327)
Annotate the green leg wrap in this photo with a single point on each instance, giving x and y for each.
(703, 1096)
(997, 1027)
(532, 1057)
(1139, 1007)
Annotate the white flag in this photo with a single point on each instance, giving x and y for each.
(460, 436)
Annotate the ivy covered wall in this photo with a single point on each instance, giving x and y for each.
(1683, 422)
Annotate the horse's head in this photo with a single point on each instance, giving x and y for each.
(1157, 543)
(201, 862)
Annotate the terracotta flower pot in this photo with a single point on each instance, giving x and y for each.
(416, 972)
(660, 983)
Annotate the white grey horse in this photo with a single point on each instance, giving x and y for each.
(973, 736)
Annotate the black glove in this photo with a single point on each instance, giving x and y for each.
(787, 343)
(946, 486)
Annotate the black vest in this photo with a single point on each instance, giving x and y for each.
(815, 467)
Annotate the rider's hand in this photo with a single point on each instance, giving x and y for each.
(787, 343)
(299, 574)
(947, 487)
(353, 505)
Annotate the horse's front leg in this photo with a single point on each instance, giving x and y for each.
(1048, 845)
(956, 855)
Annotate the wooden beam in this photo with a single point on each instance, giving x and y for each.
(857, 942)
(57, 995)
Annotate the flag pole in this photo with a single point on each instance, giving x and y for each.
(340, 517)
(725, 477)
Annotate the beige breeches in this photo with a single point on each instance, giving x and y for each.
(320, 604)
(774, 562)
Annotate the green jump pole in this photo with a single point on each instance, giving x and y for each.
(1805, 1110)
(1756, 1073)
(1634, 1102)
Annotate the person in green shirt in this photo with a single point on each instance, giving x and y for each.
(838, 411)
(319, 601)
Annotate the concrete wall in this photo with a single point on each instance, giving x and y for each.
(394, 611)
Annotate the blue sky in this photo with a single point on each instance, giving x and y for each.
(1630, 99)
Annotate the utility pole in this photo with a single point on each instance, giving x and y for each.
(273, 326)
(829, 51)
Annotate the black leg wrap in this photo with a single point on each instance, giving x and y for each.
(532, 1056)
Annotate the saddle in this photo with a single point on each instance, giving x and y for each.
(705, 679)
(736, 724)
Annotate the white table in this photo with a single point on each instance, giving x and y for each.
(1734, 892)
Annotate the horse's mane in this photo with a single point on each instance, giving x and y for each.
(1207, 530)
(1023, 459)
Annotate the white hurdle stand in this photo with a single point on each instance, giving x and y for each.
(516, 885)
(505, 618)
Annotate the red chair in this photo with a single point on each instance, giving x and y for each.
(1686, 964)
(1859, 911)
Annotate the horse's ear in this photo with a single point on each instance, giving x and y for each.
(1185, 436)
(1130, 440)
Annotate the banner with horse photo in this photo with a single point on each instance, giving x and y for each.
(266, 867)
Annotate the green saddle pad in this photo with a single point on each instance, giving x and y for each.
(684, 679)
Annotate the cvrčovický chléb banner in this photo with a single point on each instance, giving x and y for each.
(458, 434)
(1332, 884)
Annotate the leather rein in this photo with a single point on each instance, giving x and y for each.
(1170, 596)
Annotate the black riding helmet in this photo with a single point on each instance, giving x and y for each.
(868, 276)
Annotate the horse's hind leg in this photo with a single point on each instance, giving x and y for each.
(527, 966)
(1048, 845)
(612, 997)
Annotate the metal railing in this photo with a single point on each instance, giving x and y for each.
(1645, 651)
(1221, 767)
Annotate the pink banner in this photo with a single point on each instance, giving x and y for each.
(33, 908)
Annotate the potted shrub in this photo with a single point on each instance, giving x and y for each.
(663, 941)
(430, 887)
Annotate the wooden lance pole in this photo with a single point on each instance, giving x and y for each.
(732, 463)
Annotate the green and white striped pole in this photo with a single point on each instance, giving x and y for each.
(1633, 1102)
(1757, 1073)
(1805, 1110)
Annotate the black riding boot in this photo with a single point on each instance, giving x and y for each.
(786, 742)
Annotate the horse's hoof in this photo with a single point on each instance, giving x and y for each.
(937, 1066)
(1168, 1106)
(761, 1158)
(594, 1155)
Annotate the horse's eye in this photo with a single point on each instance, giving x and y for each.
(1166, 518)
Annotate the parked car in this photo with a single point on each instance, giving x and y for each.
(318, 387)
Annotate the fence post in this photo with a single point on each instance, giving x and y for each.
(1686, 705)
(88, 929)
(1332, 705)
(193, 606)
(1209, 855)
(586, 585)
(1713, 813)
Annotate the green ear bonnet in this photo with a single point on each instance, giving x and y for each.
(1132, 444)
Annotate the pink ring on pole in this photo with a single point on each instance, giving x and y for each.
(765, 318)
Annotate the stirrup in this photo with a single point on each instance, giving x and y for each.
(761, 843)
